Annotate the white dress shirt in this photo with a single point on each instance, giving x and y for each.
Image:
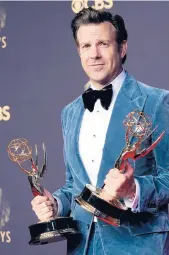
(93, 134)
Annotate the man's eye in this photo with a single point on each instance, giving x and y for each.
(103, 44)
(85, 46)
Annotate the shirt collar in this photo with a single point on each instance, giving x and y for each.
(116, 83)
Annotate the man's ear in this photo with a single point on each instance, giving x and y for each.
(123, 49)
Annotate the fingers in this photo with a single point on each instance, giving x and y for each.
(41, 204)
(108, 194)
(46, 210)
(114, 173)
(129, 170)
(115, 178)
(39, 200)
(44, 207)
(118, 184)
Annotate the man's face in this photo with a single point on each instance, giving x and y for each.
(99, 52)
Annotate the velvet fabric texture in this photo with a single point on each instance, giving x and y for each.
(148, 232)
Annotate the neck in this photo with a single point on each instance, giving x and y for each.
(101, 84)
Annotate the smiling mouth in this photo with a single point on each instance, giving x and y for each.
(97, 65)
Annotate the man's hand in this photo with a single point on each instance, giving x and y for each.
(45, 207)
(119, 185)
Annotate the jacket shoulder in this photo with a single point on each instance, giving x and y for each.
(154, 93)
(72, 105)
(69, 109)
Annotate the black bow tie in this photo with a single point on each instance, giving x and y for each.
(90, 96)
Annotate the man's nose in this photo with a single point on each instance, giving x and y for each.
(95, 52)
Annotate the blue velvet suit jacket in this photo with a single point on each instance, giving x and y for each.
(152, 172)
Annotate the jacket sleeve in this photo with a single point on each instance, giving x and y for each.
(154, 189)
(64, 194)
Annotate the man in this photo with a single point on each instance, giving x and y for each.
(93, 139)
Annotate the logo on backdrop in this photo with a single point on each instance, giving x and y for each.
(3, 39)
(5, 236)
(4, 113)
(78, 5)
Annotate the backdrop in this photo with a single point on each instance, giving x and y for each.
(40, 73)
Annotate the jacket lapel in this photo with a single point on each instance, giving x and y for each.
(73, 142)
(129, 98)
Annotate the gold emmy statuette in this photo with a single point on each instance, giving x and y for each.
(20, 152)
